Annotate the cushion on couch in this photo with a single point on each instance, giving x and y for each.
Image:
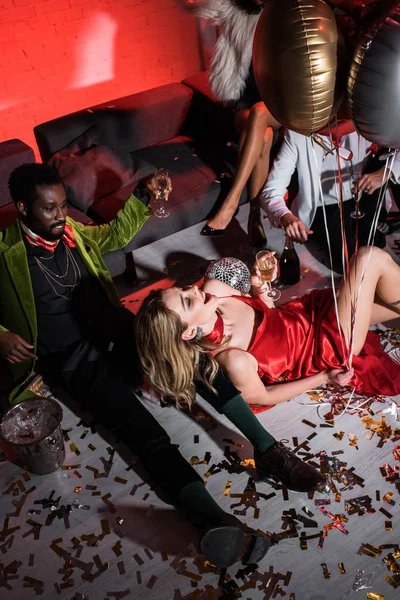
(127, 123)
(92, 172)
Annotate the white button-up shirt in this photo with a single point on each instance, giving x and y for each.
(316, 169)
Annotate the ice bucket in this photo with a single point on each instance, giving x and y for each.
(33, 430)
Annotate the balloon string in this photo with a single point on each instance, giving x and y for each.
(382, 194)
(343, 343)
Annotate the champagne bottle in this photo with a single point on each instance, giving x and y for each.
(289, 264)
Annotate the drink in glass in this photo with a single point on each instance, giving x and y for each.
(161, 183)
(266, 265)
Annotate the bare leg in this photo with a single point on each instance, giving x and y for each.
(255, 184)
(381, 277)
(253, 124)
(381, 313)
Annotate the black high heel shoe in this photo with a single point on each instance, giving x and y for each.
(213, 232)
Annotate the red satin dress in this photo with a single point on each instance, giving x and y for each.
(301, 338)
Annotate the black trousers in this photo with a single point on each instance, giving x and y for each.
(104, 384)
(367, 205)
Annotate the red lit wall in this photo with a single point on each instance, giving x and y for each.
(58, 56)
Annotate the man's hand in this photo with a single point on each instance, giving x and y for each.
(295, 229)
(14, 348)
(370, 182)
(339, 377)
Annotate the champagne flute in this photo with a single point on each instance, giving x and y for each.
(356, 213)
(161, 183)
(266, 265)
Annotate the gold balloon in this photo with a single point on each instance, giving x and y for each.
(295, 62)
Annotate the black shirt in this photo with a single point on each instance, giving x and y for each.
(56, 277)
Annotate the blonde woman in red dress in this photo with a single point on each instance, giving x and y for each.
(273, 354)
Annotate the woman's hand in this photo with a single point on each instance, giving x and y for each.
(259, 286)
(339, 377)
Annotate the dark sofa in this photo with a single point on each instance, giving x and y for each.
(179, 126)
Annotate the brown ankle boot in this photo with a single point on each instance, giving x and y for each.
(279, 462)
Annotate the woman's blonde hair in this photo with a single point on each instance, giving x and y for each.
(170, 363)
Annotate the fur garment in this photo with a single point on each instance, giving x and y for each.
(232, 54)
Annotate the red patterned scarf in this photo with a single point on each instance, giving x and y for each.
(36, 240)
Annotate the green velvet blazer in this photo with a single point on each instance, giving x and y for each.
(17, 304)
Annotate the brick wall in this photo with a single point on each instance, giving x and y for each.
(57, 56)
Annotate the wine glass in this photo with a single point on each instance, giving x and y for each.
(356, 213)
(161, 183)
(266, 265)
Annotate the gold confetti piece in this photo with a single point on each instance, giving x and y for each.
(386, 513)
(120, 480)
(91, 487)
(149, 554)
(378, 496)
(388, 525)
(256, 513)
(152, 581)
(77, 474)
(339, 435)
(248, 462)
(74, 448)
(139, 577)
(227, 487)
(96, 493)
(303, 544)
(307, 270)
(285, 493)
(146, 496)
(391, 582)
(91, 447)
(117, 548)
(372, 596)
(387, 497)
(69, 467)
(353, 440)
(164, 555)
(191, 575)
(77, 489)
(105, 526)
(342, 569)
(338, 497)
(31, 560)
(292, 596)
(308, 423)
(139, 561)
(121, 567)
(325, 571)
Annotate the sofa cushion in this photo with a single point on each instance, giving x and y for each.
(127, 124)
(90, 174)
(13, 153)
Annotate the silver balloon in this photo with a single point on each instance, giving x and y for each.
(231, 271)
(374, 81)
